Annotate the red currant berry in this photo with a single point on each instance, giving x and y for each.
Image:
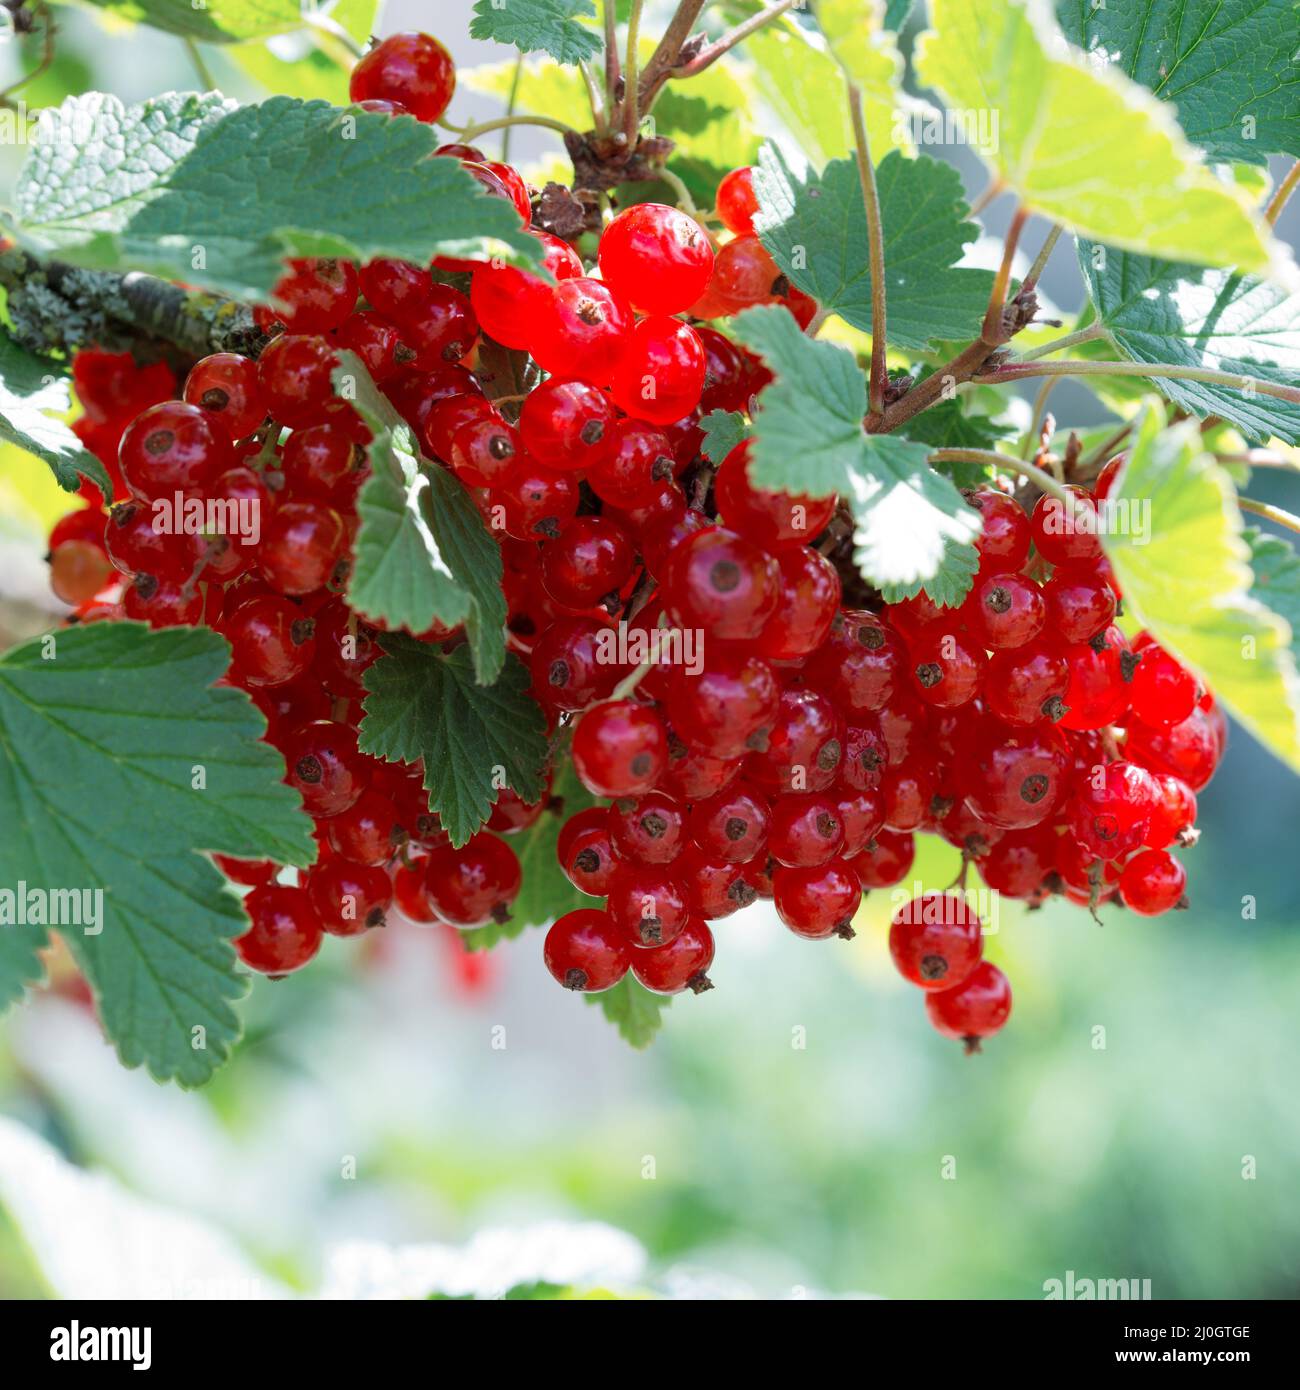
(1014, 778)
(805, 747)
(773, 519)
(620, 748)
(682, 964)
(660, 375)
(744, 273)
(728, 708)
(1153, 882)
(714, 889)
(315, 296)
(936, 940)
(1005, 610)
(172, 447)
(585, 951)
(817, 902)
(886, 860)
(368, 832)
(324, 766)
(1164, 692)
(1108, 477)
(322, 461)
(947, 667)
(510, 303)
(1080, 604)
(731, 825)
(1100, 689)
(640, 461)
(1066, 532)
(1174, 817)
(376, 342)
(345, 650)
(271, 639)
(294, 373)
(534, 501)
(397, 289)
(974, 1009)
(657, 257)
(866, 755)
(348, 898)
(726, 372)
(694, 776)
(569, 664)
(862, 814)
(586, 853)
(511, 813)
(136, 547)
(1027, 685)
(582, 331)
(414, 70)
(410, 896)
(1019, 862)
(806, 607)
(587, 563)
(162, 602)
(861, 665)
(302, 544)
(1110, 811)
(717, 581)
(442, 332)
(805, 830)
(78, 571)
(475, 884)
(225, 385)
(737, 202)
(648, 829)
(1190, 750)
(647, 903)
(285, 932)
(568, 425)
(1003, 545)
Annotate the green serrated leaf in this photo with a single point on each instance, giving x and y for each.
(1084, 146)
(913, 529)
(549, 26)
(210, 21)
(1186, 577)
(1277, 578)
(546, 893)
(1155, 311)
(801, 82)
(425, 704)
(1217, 61)
(809, 428)
(723, 431)
(422, 553)
(151, 190)
(33, 392)
(815, 226)
(121, 764)
(634, 1010)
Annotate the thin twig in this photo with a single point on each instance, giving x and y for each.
(631, 93)
(876, 248)
(1280, 195)
(987, 457)
(200, 65)
(982, 200)
(992, 331)
(1035, 270)
(599, 109)
(1016, 371)
(1040, 404)
(609, 11)
(47, 57)
(510, 108)
(1270, 513)
(1107, 448)
(472, 132)
(684, 199)
(664, 58)
(710, 55)
(1084, 335)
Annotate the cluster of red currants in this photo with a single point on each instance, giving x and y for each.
(755, 737)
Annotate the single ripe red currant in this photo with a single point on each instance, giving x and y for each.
(315, 295)
(225, 385)
(369, 832)
(568, 425)
(936, 940)
(1003, 545)
(285, 932)
(272, 640)
(656, 256)
(510, 303)
(587, 563)
(806, 606)
(1153, 882)
(886, 860)
(659, 376)
(1080, 604)
(413, 70)
(773, 520)
(302, 544)
(585, 951)
(974, 1009)
(586, 853)
(649, 829)
(819, 901)
(804, 830)
(717, 581)
(1163, 691)
(728, 707)
(475, 884)
(348, 898)
(947, 667)
(324, 766)
(1110, 811)
(1066, 532)
(172, 447)
(620, 748)
(1027, 685)
(582, 330)
(1004, 610)
(737, 202)
(1014, 778)
(648, 903)
(680, 965)
(731, 825)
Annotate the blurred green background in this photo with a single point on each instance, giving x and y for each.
(800, 1129)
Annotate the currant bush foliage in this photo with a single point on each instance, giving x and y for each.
(1144, 138)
